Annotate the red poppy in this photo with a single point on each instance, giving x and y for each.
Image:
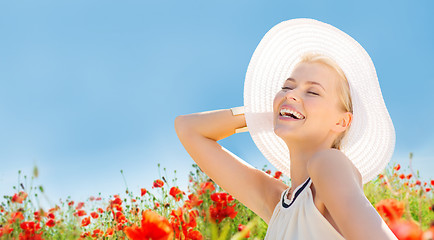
(15, 216)
(50, 223)
(176, 193)
(94, 215)
(115, 204)
(409, 176)
(180, 224)
(100, 210)
(380, 176)
(153, 226)
(79, 205)
(143, 191)
(158, 184)
(37, 216)
(432, 182)
(221, 197)
(23, 195)
(109, 232)
(119, 227)
(397, 167)
(221, 208)
(391, 209)
(120, 218)
(405, 229)
(97, 233)
(194, 213)
(119, 208)
(30, 231)
(54, 209)
(30, 226)
(268, 171)
(7, 229)
(50, 215)
(193, 201)
(116, 201)
(205, 186)
(241, 228)
(20, 197)
(84, 234)
(402, 176)
(80, 213)
(418, 182)
(71, 203)
(277, 174)
(219, 213)
(194, 235)
(85, 221)
(427, 189)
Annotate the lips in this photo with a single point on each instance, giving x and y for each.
(288, 118)
(293, 109)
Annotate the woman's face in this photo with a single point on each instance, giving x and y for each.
(318, 102)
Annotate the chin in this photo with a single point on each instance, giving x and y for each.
(285, 133)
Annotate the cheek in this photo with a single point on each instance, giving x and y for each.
(277, 100)
(318, 109)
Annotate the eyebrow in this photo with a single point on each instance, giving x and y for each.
(308, 82)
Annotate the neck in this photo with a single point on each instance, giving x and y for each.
(299, 157)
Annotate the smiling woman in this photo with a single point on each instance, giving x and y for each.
(302, 126)
(342, 87)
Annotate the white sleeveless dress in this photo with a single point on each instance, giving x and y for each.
(299, 218)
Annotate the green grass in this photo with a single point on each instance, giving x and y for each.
(417, 199)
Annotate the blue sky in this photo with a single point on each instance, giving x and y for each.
(88, 88)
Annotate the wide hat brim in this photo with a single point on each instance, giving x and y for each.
(370, 141)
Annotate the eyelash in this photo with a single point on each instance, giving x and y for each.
(308, 92)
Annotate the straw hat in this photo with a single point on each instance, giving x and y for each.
(370, 141)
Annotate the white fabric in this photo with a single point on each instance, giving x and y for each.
(369, 142)
(302, 220)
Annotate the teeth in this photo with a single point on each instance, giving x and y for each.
(284, 111)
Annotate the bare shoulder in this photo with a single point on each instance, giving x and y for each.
(340, 189)
(336, 162)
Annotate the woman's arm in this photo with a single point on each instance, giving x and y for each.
(338, 187)
(215, 125)
(199, 133)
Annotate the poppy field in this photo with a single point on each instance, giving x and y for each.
(203, 211)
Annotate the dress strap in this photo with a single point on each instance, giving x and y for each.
(286, 203)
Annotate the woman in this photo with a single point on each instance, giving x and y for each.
(314, 108)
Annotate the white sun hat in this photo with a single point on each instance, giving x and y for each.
(370, 141)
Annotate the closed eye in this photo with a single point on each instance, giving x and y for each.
(307, 92)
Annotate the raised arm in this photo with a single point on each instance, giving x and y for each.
(199, 133)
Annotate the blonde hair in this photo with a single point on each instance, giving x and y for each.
(343, 87)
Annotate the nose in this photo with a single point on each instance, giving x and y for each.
(290, 95)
